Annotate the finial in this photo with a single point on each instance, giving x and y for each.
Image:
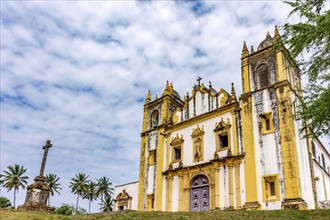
(233, 94)
(245, 51)
(268, 35)
(252, 50)
(199, 80)
(276, 34)
(210, 84)
(156, 96)
(167, 89)
(148, 99)
(171, 88)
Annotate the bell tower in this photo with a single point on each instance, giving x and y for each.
(275, 162)
(157, 116)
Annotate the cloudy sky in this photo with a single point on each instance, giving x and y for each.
(77, 73)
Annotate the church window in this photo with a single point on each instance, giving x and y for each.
(152, 157)
(262, 76)
(313, 149)
(177, 148)
(154, 119)
(270, 187)
(267, 124)
(222, 135)
(323, 162)
(177, 153)
(266, 121)
(223, 140)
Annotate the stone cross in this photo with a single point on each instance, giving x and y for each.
(43, 164)
(199, 80)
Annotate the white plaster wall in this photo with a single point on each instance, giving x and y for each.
(175, 194)
(224, 188)
(272, 205)
(269, 152)
(321, 172)
(151, 179)
(322, 187)
(257, 151)
(132, 190)
(304, 164)
(209, 140)
(219, 181)
(152, 140)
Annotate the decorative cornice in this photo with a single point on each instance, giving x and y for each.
(222, 125)
(177, 140)
(231, 160)
(198, 132)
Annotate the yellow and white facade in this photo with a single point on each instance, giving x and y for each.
(213, 150)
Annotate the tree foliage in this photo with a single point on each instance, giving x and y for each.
(311, 37)
(106, 204)
(4, 202)
(104, 189)
(65, 209)
(52, 182)
(14, 179)
(90, 194)
(79, 186)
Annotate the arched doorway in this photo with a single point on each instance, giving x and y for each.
(199, 194)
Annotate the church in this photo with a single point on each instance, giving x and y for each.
(213, 150)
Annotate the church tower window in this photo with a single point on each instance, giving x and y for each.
(154, 119)
(267, 124)
(270, 188)
(262, 76)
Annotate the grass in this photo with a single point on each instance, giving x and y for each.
(220, 215)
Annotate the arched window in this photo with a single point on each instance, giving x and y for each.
(154, 119)
(262, 76)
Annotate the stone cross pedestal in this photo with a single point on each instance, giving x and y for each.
(37, 193)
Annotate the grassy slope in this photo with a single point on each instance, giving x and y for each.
(221, 215)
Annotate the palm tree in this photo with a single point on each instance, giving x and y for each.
(14, 179)
(79, 186)
(90, 194)
(54, 186)
(104, 188)
(106, 204)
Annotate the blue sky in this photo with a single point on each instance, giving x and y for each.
(77, 73)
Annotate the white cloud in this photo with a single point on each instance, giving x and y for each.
(77, 73)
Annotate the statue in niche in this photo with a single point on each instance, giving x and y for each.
(198, 148)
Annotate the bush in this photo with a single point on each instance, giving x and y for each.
(4, 202)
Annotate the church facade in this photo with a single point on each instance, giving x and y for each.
(213, 150)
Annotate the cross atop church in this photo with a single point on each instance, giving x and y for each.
(199, 80)
(43, 164)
